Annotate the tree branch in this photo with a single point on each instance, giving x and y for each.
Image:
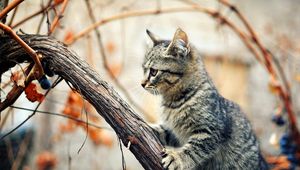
(128, 126)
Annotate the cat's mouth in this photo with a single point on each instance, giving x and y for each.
(152, 90)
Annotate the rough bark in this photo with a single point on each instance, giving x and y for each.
(121, 117)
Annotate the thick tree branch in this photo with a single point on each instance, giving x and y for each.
(128, 126)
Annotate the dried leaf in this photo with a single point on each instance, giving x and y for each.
(73, 107)
(70, 126)
(18, 79)
(274, 86)
(46, 160)
(115, 68)
(111, 47)
(278, 162)
(57, 2)
(99, 137)
(32, 94)
(297, 77)
(69, 36)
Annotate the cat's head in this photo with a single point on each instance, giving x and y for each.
(167, 64)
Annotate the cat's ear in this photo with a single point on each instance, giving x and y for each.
(153, 37)
(179, 45)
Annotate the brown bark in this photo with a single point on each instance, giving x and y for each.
(121, 117)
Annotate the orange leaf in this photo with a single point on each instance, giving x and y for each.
(297, 77)
(56, 2)
(46, 160)
(69, 127)
(18, 79)
(274, 85)
(115, 68)
(111, 47)
(32, 94)
(69, 36)
(72, 111)
(15, 77)
(278, 162)
(99, 136)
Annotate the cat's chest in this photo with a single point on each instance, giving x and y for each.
(180, 122)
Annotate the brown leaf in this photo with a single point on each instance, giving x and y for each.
(57, 2)
(111, 47)
(69, 36)
(46, 160)
(32, 94)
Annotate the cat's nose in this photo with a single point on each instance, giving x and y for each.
(143, 84)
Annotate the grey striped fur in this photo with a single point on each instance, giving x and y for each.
(201, 129)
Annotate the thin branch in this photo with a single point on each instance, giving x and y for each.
(22, 151)
(136, 14)
(122, 154)
(38, 69)
(34, 111)
(42, 10)
(192, 8)
(16, 91)
(3, 120)
(17, 127)
(283, 93)
(63, 116)
(24, 121)
(9, 7)
(106, 66)
(13, 16)
(58, 17)
(43, 17)
(10, 152)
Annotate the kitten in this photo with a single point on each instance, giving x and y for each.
(201, 129)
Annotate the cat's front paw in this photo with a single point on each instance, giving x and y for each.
(171, 160)
(160, 133)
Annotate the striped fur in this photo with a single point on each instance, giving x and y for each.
(201, 129)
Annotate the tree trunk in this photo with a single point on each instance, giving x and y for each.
(121, 117)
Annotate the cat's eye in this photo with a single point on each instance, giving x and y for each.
(153, 72)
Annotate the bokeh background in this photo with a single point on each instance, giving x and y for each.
(234, 70)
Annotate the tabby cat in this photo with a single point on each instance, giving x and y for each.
(200, 129)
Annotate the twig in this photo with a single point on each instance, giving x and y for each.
(16, 91)
(283, 94)
(134, 14)
(10, 151)
(223, 20)
(38, 69)
(43, 17)
(24, 121)
(9, 7)
(86, 122)
(42, 10)
(34, 111)
(17, 127)
(61, 115)
(3, 121)
(281, 72)
(13, 16)
(193, 8)
(58, 17)
(89, 50)
(106, 66)
(22, 151)
(69, 157)
(122, 154)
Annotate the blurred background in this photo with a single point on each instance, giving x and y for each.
(51, 140)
